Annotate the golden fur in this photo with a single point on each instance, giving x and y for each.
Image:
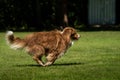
(52, 44)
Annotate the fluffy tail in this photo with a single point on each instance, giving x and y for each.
(14, 42)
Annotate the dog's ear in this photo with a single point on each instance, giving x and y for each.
(73, 31)
(70, 30)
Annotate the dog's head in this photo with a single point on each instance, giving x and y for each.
(71, 32)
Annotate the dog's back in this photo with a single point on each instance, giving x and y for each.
(49, 40)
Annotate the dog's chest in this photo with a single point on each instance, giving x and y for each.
(63, 52)
(70, 44)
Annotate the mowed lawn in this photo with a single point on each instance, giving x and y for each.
(95, 56)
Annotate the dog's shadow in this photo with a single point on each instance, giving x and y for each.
(62, 64)
(67, 64)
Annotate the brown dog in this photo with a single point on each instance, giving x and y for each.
(52, 44)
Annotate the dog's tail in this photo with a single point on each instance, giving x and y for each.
(14, 42)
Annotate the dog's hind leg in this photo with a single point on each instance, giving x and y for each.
(37, 52)
(38, 60)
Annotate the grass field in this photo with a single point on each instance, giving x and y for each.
(96, 56)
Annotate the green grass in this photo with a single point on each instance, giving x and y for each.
(96, 56)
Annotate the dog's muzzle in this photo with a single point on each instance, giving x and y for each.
(75, 36)
(78, 36)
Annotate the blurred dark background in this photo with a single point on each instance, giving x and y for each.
(37, 15)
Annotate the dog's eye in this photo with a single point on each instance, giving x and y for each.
(73, 33)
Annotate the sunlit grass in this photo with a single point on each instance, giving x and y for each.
(96, 56)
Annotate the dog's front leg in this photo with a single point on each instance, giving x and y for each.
(50, 59)
(48, 63)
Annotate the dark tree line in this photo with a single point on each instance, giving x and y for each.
(40, 14)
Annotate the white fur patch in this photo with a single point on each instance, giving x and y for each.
(72, 43)
(15, 46)
(9, 33)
